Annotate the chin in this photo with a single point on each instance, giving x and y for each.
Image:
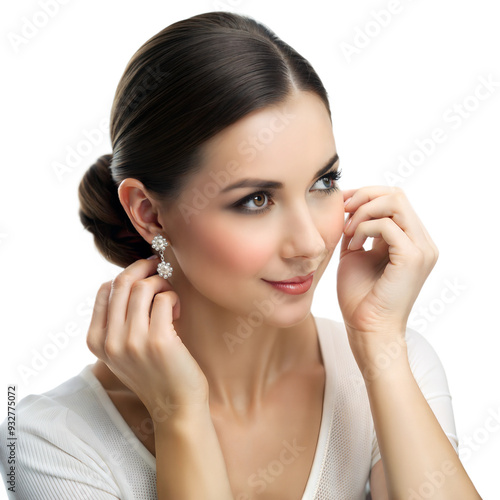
(288, 315)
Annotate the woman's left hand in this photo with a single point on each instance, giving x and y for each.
(377, 288)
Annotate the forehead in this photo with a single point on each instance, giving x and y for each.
(274, 142)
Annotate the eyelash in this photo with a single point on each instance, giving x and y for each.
(333, 176)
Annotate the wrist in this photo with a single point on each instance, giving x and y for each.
(379, 355)
(167, 413)
(185, 424)
(187, 446)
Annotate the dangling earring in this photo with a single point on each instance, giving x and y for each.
(164, 268)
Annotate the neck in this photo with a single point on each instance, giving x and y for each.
(241, 362)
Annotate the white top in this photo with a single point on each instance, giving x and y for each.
(72, 443)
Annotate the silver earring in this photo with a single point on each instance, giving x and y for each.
(164, 268)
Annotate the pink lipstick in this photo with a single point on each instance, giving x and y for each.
(294, 286)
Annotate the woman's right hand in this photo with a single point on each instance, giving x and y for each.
(132, 331)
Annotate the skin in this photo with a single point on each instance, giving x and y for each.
(162, 346)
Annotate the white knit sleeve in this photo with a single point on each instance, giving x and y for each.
(55, 457)
(431, 378)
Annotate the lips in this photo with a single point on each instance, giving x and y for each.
(297, 279)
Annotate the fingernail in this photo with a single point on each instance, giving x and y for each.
(347, 201)
(152, 257)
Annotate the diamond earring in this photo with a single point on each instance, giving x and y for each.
(164, 268)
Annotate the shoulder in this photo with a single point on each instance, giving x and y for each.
(332, 330)
(55, 447)
(424, 360)
(57, 408)
(335, 346)
(47, 409)
(425, 363)
(340, 363)
(55, 417)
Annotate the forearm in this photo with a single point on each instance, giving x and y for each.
(414, 448)
(189, 460)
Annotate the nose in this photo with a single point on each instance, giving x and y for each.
(302, 239)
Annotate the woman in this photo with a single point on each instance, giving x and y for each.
(214, 380)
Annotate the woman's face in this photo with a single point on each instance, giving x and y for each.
(225, 241)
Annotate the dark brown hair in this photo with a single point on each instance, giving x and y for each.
(183, 86)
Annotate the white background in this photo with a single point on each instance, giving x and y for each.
(411, 77)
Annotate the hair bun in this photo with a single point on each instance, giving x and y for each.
(102, 214)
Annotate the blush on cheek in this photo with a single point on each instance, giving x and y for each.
(230, 251)
(333, 228)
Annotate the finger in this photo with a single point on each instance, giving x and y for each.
(140, 304)
(433, 248)
(120, 290)
(347, 193)
(396, 207)
(162, 315)
(382, 228)
(379, 246)
(363, 195)
(345, 238)
(97, 329)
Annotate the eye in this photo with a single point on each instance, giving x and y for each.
(328, 182)
(261, 199)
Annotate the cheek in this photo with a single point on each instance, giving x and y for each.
(224, 250)
(332, 226)
(211, 246)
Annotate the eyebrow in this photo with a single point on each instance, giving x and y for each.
(263, 184)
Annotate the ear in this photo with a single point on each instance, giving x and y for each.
(142, 209)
